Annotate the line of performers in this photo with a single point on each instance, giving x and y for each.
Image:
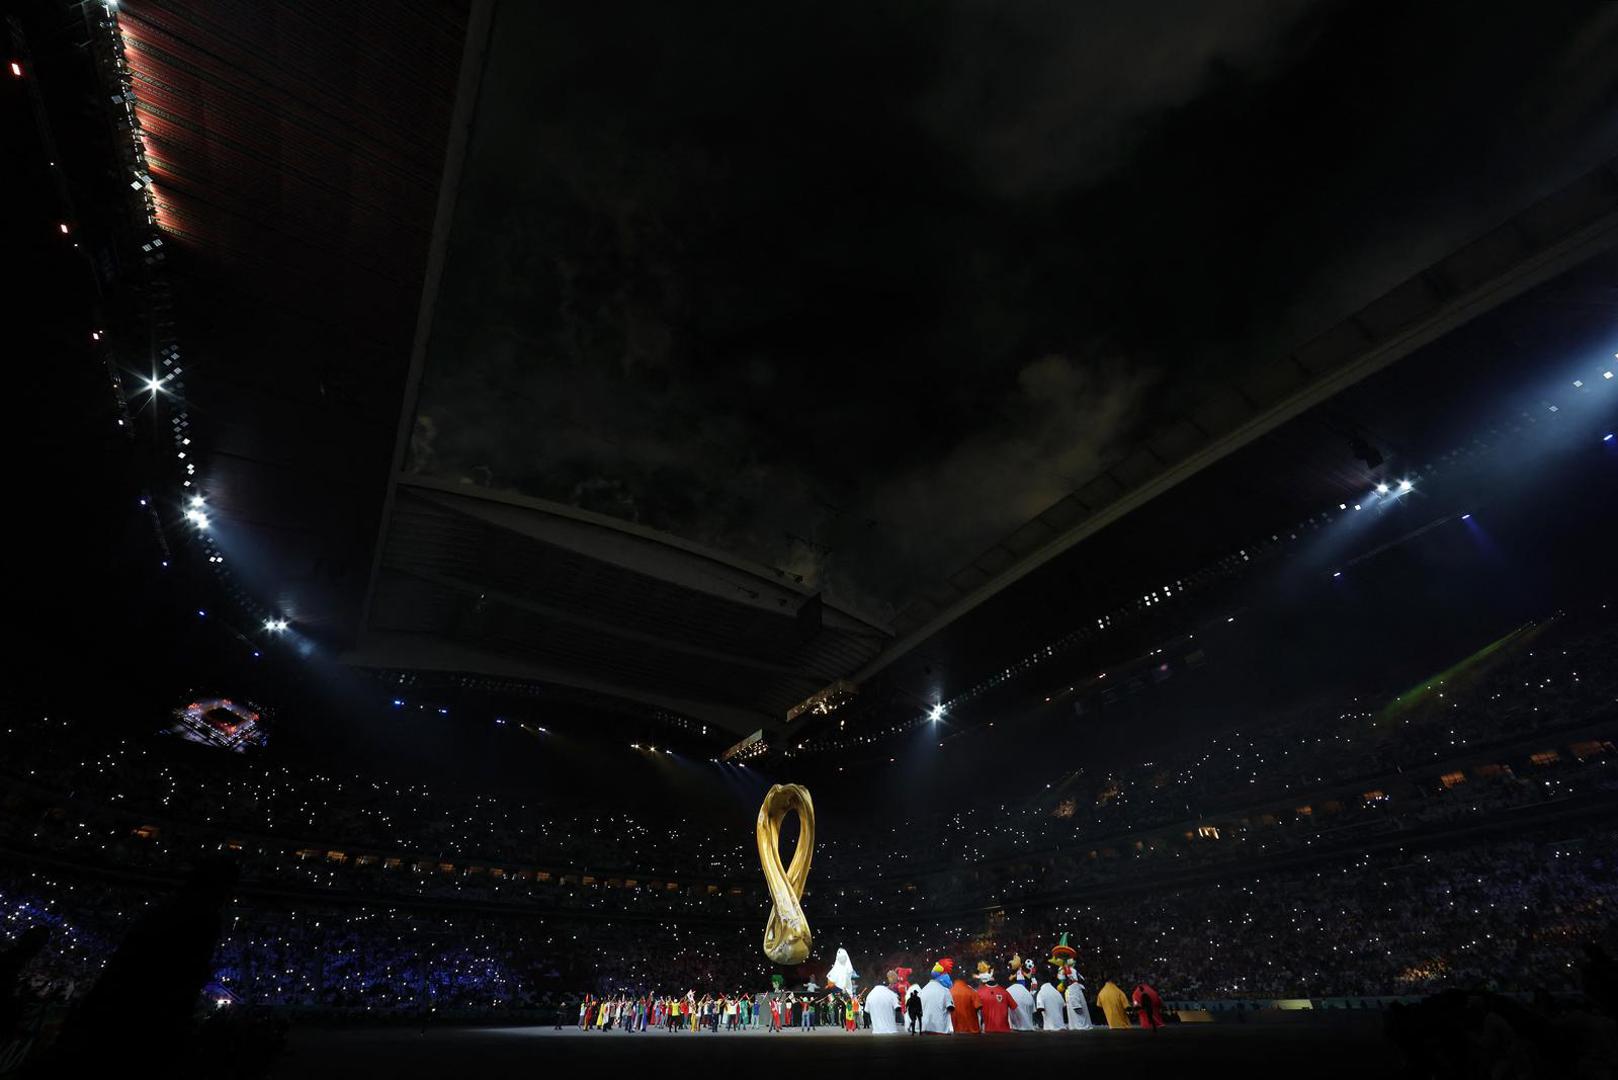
(720, 1012)
(942, 1004)
(947, 1003)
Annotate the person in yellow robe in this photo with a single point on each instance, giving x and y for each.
(1114, 1005)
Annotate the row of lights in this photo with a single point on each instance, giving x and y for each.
(1404, 487)
(167, 378)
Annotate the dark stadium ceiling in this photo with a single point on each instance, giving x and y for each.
(759, 347)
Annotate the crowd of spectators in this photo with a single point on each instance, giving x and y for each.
(1556, 678)
(1509, 914)
(1451, 836)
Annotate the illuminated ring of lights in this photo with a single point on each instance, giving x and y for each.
(786, 935)
(198, 711)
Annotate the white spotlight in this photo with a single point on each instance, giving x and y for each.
(938, 711)
(1382, 489)
(1404, 486)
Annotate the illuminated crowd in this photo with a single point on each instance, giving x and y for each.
(1511, 915)
(1456, 837)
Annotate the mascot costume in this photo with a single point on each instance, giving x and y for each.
(964, 997)
(1065, 961)
(936, 1001)
(842, 973)
(994, 1001)
(1022, 1017)
(1114, 1005)
(1050, 1002)
(882, 1006)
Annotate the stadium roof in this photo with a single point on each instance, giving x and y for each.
(380, 210)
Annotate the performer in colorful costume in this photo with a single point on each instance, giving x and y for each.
(1022, 1017)
(1114, 1005)
(842, 973)
(1050, 1001)
(882, 1005)
(964, 1012)
(936, 1002)
(1149, 1006)
(994, 1001)
(1078, 1010)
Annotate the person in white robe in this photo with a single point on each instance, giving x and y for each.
(936, 1004)
(1022, 1017)
(1078, 1010)
(882, 1006)
(1050, 1003)
(842, 973)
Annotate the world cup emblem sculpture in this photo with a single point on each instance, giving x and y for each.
(786, 935)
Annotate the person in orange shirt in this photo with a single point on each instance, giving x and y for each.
(1114, 1005)
(965, 1012)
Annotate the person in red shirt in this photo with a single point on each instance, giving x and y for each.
(994, 1002)
(1149, 1006)
(964, 1015)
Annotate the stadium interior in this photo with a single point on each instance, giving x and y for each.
(471, 451)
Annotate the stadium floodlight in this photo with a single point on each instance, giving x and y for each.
(275, 626)
(1382, 489)
(937, 713)
(1404, 486)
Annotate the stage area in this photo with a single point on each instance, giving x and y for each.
(1314, 1048)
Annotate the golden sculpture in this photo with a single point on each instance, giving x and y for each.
(786, 935)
